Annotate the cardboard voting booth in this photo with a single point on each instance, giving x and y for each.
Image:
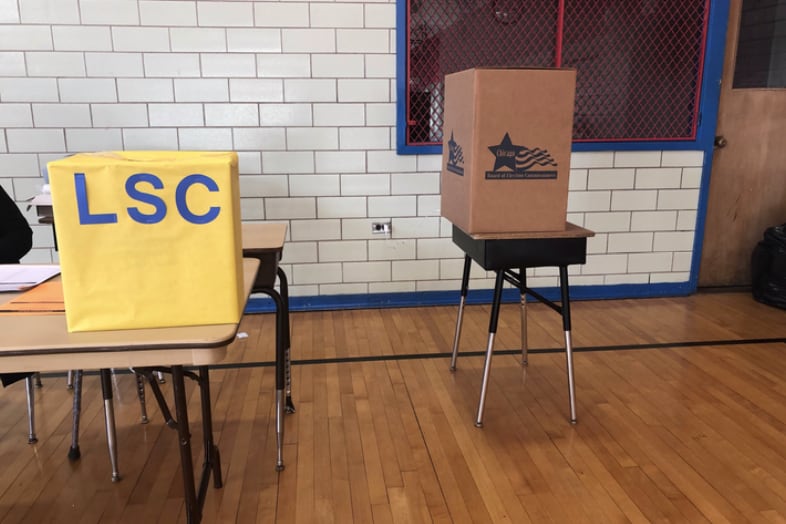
(506, 155)
(148, 238)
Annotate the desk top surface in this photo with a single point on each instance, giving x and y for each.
(570, 231)
(43, 343)
(263, 236)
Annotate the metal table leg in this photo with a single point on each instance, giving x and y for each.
(523, 292)
(284, 286)
(76, 384)
(564, 289)
(490, 346)
(460, 315)
(193, 510)
(31, 436)
(109, 420)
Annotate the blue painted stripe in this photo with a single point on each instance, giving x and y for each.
(477, 296)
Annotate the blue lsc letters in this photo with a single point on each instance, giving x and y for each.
(160, 208)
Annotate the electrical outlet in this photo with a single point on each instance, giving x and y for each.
(381, 228)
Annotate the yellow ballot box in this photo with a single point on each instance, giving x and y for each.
(148, 238)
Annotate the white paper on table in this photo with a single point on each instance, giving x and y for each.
(19, 277)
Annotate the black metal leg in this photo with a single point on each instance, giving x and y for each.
(109, 420)
(31, 436)
(281, 356)
(140, 392)
(212, 456)
(460, 315)
(74, 453)
(523, 300)
(490, 346)
(193, 511)
(284, 286)
(564, 289)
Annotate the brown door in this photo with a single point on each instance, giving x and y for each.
(748, 181)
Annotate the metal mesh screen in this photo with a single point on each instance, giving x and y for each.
(638, 61)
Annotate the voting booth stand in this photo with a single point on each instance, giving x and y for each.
(148, 238)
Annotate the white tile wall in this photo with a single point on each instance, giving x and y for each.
(305, 92)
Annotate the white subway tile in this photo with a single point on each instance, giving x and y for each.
(198, 39)
(308, 41)
(253, 40)
(281, 14)
(654, 221)
(337, 66)
(145, 90)
(682, 261)
(577, 180)
(678, 199)
(233, 115)
(253, 90)
(381, 66)
(12, 63)
(649, 262)
(626, 279)
(454, 268)
(589, 201)
(683, 158)
(225, 14)
(691, 177)
(215, 139)
(287, 161)
(315, 185)
(391, 287)
(114, 64)
(606, 222)
(576, 218)
(365, 184)
(290, 208)
(47, 12)
(25, 38)
(364, 138)
(80, 38)
(355, 228)
(686, 220)
(167, 13)
(249, 162)
(380, 15)
(175, 115)
(314, 229)
(309, 90)
(87, 90)
(140, 39)
(18, 164)
(264, 185)
(414, 183)
(172, 65)
(674, 241)
(637, 159)
(634, 200)
(55, 63)
(363, 90)
(415, 227)
(28, 90)
(301, 291)
(201, 90)
(383, 115)
(415, 269)
(316, 273)
(361, 288)
(9, 12)
(343, 251)
(61, 115)
(598, 244)
(15, 115)
(657, 178)
(147, 138)
(429, 248)
(336, 15)
(362, 41)
(311, 138)
(259, 138)
(590, 160)
(252, 208)
(630, 242)
(431, 163)
(366, 271)
(338, 114)
(340, 161)
(389, 161)
(300, 253)
(391, 249)
(341, 207)
(662, 278)
(78, 140)
(429, 205)
(283, 66)
(229, 65)
(119, 115)
(35, 141)
(610, 179)
(109, 12)
(603, 264)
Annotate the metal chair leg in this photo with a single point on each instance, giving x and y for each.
(460, 315)
(490, 346)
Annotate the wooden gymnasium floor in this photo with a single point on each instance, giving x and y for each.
(681, 408)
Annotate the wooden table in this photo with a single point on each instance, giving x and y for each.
(43, 343)
(504, 253)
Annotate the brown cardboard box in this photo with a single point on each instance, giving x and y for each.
(506, 156)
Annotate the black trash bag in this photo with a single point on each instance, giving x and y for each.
(768, 268)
